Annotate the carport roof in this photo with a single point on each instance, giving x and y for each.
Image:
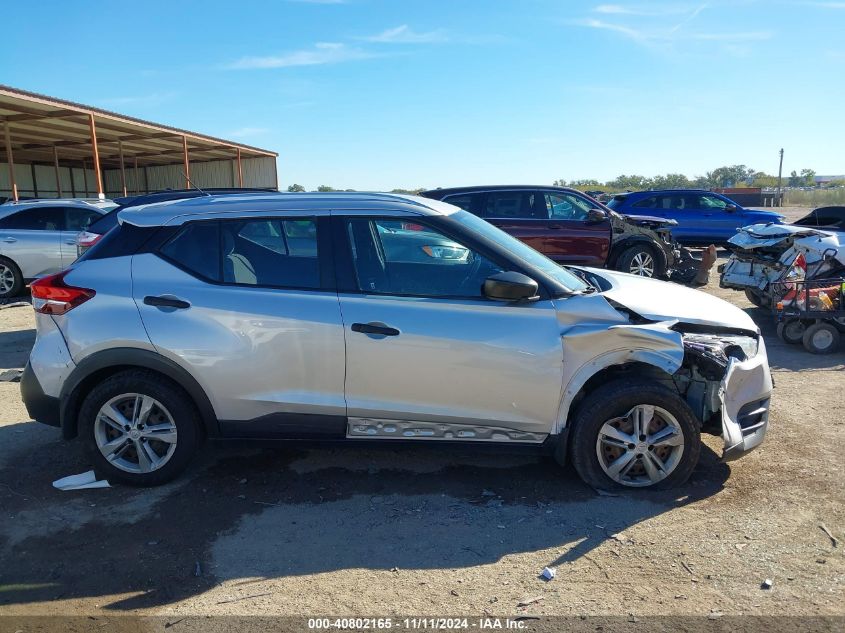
(42, 129)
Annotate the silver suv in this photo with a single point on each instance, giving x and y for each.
(38, 237)
(380, 318)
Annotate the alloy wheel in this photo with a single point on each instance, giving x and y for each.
(7, 279)
(135, 433)
(642, 264)
(640, 448)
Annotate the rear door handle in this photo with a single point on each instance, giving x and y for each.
(556, 227)
(375, 328)
(71, 242)
(166, 302)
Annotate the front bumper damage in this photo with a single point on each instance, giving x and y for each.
(744, 394)
(731, 396)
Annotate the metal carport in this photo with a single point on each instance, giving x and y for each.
(58, 148)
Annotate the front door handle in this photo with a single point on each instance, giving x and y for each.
(71, 242)
(375, 328)
(556, 227)
(9, 240)
(166, 302)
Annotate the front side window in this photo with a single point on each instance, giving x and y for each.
(271, 252)
(39, 219)
(513, 204)
(711, 203)
(565, 206)
(394, 257)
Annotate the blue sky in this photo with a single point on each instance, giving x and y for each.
(377, 94)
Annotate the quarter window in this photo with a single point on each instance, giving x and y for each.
(462, 201)
(393, 257)
(197, 249)
(80, 219)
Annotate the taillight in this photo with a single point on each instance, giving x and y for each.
(87, 240)
(51, 295)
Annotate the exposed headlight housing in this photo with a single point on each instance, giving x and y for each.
(724, 346)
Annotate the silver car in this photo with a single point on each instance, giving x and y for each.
(380, 318)
(38, 237)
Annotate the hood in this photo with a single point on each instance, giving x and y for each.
(666, 301)
(648, 220)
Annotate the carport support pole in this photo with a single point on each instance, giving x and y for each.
(187, 162)
(240, 169)
(10, 162)
(96, 154)
(122, 168)
(137, 178)
(56, 166)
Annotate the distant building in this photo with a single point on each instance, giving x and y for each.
(826, 180)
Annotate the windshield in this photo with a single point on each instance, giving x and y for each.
(532, 258)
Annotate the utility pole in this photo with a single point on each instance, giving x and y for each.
(780, 173)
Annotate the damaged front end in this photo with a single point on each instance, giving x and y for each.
(725, 378)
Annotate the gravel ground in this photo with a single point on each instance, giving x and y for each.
(281, 530)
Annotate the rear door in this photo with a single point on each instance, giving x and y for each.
(31, 238)
(521, 213)
(77, 219)
(572, 238)
(249, 308)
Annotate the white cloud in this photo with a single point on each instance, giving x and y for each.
(403, 34)
(321, 53)
(643, 10)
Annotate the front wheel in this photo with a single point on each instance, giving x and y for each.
(139, 428)
(11, 279)
(821, 338)
(641, 260)
(634, 434)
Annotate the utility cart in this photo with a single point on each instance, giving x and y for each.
(811, 313)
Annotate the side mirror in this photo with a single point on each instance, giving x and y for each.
(594, 216)
(730, 208)
(509, 286)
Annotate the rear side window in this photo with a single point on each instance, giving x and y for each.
(80, 219)
(40, 219)
(513, 204)
(196, 248)
(646, 203)
(463, 201)
(274, 252)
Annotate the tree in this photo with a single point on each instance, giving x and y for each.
(294, 188)
(325, 188)
(730, 176)
(584, 182)
(632, 183)
(559, 183)
(794, 179)
(413, 192)
(671, 181)
(809, 177)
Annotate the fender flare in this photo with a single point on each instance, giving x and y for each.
(618, 247)
(120, 358)
(668, 362)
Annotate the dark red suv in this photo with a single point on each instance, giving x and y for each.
(570, 227)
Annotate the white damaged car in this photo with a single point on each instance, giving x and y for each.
(763, 254)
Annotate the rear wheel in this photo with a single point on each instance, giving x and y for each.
(821, 338)
(754, 297)
(792, 331)
(641, 260)
(139, 428)
(635, 434)
(11, 279)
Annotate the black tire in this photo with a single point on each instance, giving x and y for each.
(615, 400)
(171, 396)
(17, 278)
(821, 338)
(792, 331)
(755, 298)
(628, 259)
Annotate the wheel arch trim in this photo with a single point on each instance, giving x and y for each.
(111, 361)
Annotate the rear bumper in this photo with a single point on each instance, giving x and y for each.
(40, 407)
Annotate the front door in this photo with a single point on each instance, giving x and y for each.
(427, 355)
(572, 237)
(245, 307)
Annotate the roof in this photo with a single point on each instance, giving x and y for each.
(39, 123)
(448, 191)
(9, 208)
(207, 207)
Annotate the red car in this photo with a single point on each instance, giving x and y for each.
(570, 227)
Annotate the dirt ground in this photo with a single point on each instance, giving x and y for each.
(276, 530)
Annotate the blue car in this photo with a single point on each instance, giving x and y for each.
(703, 217)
